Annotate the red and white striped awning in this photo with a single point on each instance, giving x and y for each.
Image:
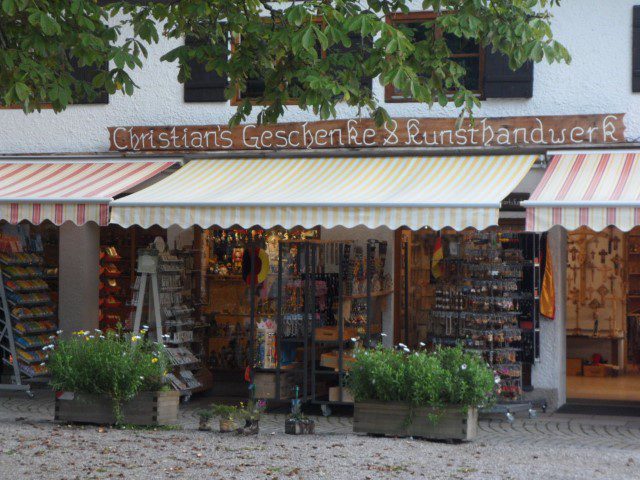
(592, 189)
(76, 190)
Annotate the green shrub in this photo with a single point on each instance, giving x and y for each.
(447, 376)
(120, 366)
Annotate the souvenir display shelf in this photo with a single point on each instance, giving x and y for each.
(326, 299)
(482, 302)
(28, 319)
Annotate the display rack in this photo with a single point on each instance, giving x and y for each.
(481, 300)
(171, 319)
(327, 297)
(28, 318)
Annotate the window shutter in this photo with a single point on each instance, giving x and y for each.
(502, 82)
(203, 86)
(635, 73)
(87, 73)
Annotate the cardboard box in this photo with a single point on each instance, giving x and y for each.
(334, 395)
(574, 366)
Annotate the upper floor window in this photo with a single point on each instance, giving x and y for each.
(420, 27)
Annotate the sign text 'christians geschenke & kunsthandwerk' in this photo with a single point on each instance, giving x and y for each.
(363, 133)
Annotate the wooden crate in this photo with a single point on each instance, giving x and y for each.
(265, 384)
(148, 408)
(574, 366)
(600, 370)
(390, 418)
(332, 334)
(334, 395)
(330, 360)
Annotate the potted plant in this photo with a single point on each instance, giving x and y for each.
(251, 413)
(430, 395)
(227, 415)
(297, 423)
(204, 417)
(111, 378)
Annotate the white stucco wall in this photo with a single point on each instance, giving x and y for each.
(596, 32)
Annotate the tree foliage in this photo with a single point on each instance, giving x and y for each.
(309, 53)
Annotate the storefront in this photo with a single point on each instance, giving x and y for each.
(594, 196)
(279, 262)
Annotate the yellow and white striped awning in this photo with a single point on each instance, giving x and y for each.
(415, 192)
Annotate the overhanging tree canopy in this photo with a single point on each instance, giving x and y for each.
(313, 54)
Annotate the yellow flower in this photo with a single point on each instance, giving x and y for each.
(154, 360)
(135, 338)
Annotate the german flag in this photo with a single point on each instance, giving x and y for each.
(436, 259)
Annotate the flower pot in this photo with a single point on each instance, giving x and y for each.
(204, 425)
(227, 425)
(147, 408)
(251, 427)
(299, 427)
(398, 420)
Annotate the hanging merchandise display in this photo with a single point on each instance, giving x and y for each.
(483, 295)
(28, 316)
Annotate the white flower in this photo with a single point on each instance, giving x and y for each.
(406, 349)
(354, 340)
(86, 332)
(402, 345)
(145, 327)
(463, 366)
(373, 381)
(42, 364)
(383, 334)
(497, 379)
(97, 330)
(141, 378)
(52, 337)
(422, 344)
(59, 332)
(102, 336)
(91, 336)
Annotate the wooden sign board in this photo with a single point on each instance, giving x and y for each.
(363, 133)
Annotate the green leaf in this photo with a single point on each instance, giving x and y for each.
(22, 91)
(9, 7)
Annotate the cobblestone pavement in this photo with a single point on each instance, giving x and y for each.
(551, 447)
(548, 429)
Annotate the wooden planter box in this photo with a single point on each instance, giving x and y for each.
(148, 408)
(382, 418)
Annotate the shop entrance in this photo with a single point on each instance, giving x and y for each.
(603, 315)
